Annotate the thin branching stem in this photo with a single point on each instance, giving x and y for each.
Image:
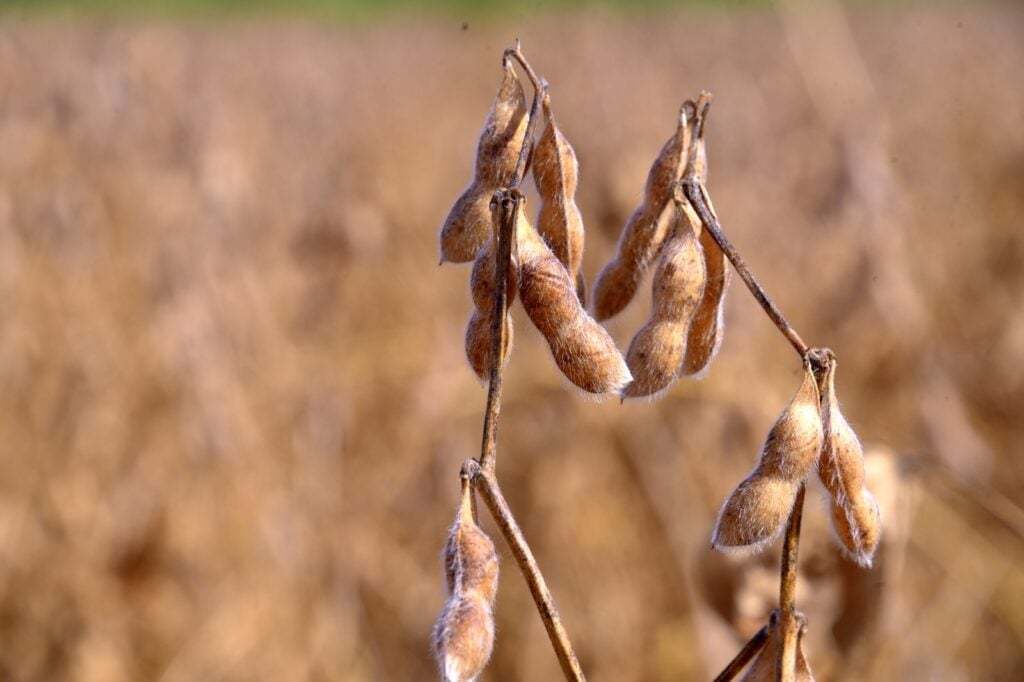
(789, 623)
(745, 656)
(699, 198)
(507, 208)
(481, 472)
(487, 485)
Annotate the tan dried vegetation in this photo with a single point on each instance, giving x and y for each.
(545, 266)
(235, 389)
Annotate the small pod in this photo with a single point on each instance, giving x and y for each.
(855, 516)
(497, 152)
(464, 634)
(705, 334)
(657, 351)
(478, 343)
(559, 223)
(640, 242)
(757, 510)
(582, 349)
(467, 226)
(480, 325)
(763, 668)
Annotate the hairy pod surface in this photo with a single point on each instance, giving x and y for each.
(559, 222)
(794, 442)
(757, 510)
(478, 342)
(755, 513)
(464, 634)
(582, 349)
(657, 351)
(638, 244)
(708, 325)
(856, 519)
(470, 561)
(497, 151)
(467, 226)
(482, 283)
(764, 666)
(464, 638)
(858, 527)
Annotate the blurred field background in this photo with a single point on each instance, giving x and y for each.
(233, 399)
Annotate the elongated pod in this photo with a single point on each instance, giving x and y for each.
(756, 511)
(657, 351)
(581, 348)
(559, 222)
(639, 243)
(856, 519)
(466, 228)
(464, 633)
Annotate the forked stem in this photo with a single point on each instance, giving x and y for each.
(487, 485)
(481, 473)
(789, 625)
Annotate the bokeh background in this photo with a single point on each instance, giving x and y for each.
(233, 399)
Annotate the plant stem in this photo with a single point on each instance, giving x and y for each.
(506, 206)
(490, 491)
(746, 654)
(699, 198)
(789, 626)
(539, 90)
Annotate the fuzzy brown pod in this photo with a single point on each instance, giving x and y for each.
(467, 226)
(582, 349)
(480, 325)
(657, 350)
(764, 666)
(704, 338)
(639, 243)
(464, 634)
(757, 510)
(856, 519)
(479, 346)
(559, 223)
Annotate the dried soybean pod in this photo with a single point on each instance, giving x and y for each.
(479, 327)
(464, 638)
(638, 245)
(657, 351)
(467, 226)
(497, 151)
(581, 348)
(757, 510)
(763, 667)
(478, 343)
(464, 634)
(470, 560)
(705, 334)
(855, 516)
(858, 527)
(559, 222)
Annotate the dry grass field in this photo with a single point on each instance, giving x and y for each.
(233, 397)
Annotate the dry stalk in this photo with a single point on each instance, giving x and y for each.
(789, 626)
(698, 195)
(482, 472)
